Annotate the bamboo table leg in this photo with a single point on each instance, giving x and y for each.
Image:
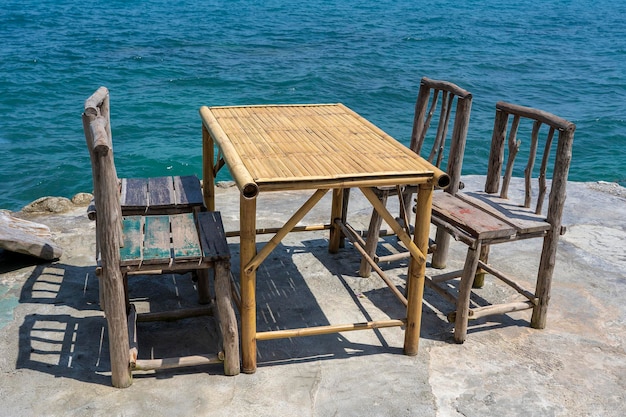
(247, 223)
(415, 280)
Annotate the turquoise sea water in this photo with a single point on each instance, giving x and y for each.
(162, 60)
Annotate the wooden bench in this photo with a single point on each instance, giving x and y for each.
(172, 242)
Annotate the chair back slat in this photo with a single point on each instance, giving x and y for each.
(532, 155)
(543, 172)
(429, 106)
(534, 121)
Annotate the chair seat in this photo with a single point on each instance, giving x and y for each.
(176, 241)
(486, 216)
(160, 195)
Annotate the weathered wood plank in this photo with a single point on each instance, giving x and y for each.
(188, 190)
(161, 192)
(134, 193)
(156, 241)
(213, 238)
(185, 242)
(523, 219)
(132, 238)
(470, 218)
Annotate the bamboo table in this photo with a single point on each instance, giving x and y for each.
(318, 147)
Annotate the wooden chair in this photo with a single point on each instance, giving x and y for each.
(152, 244)
(483, 219)
(435, 100)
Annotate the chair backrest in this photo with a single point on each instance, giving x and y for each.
(96, 124)
(540, 127)
(436, 99)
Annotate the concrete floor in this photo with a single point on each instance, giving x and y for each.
(53, 336)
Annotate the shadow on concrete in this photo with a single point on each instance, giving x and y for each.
(435, 325)
(285, 301)
(65, 346)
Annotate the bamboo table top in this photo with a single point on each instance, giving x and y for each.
(282, 147)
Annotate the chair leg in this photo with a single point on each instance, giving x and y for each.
(440, 255)
(371, 242)
(344, 214)
(465, 290)
(227, 319)
(479, 279)
(204, 294)
(544, 280)
(126, 296)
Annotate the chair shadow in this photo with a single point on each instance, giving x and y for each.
(76, 345)
(65, 347)
(435, 325)
(62, 285)
(285, 301)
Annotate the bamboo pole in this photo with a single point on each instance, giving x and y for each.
(391, 221)
(417, 269)
(274, 230)
(175, 314)
(274, 241)
(247, 219)
(335, 328)
(238, 170)
(351, 234)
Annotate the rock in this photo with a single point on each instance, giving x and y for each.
(225, 184)
(49, 205)
(82, 199)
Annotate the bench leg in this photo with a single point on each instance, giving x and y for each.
(227, 319)
(204, 293)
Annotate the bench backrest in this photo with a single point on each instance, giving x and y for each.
(96, 124)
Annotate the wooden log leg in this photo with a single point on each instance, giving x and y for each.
(417, 269)
(344, 214)
(371, 241)
(126, 295)
(121, 376)
(479, 278)
(248, 284)
(440, 256)
(226, 318)
(208, 174)
(465, 290)
(336, 212)
(101, 292)
(204, 293)
(544, 280)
